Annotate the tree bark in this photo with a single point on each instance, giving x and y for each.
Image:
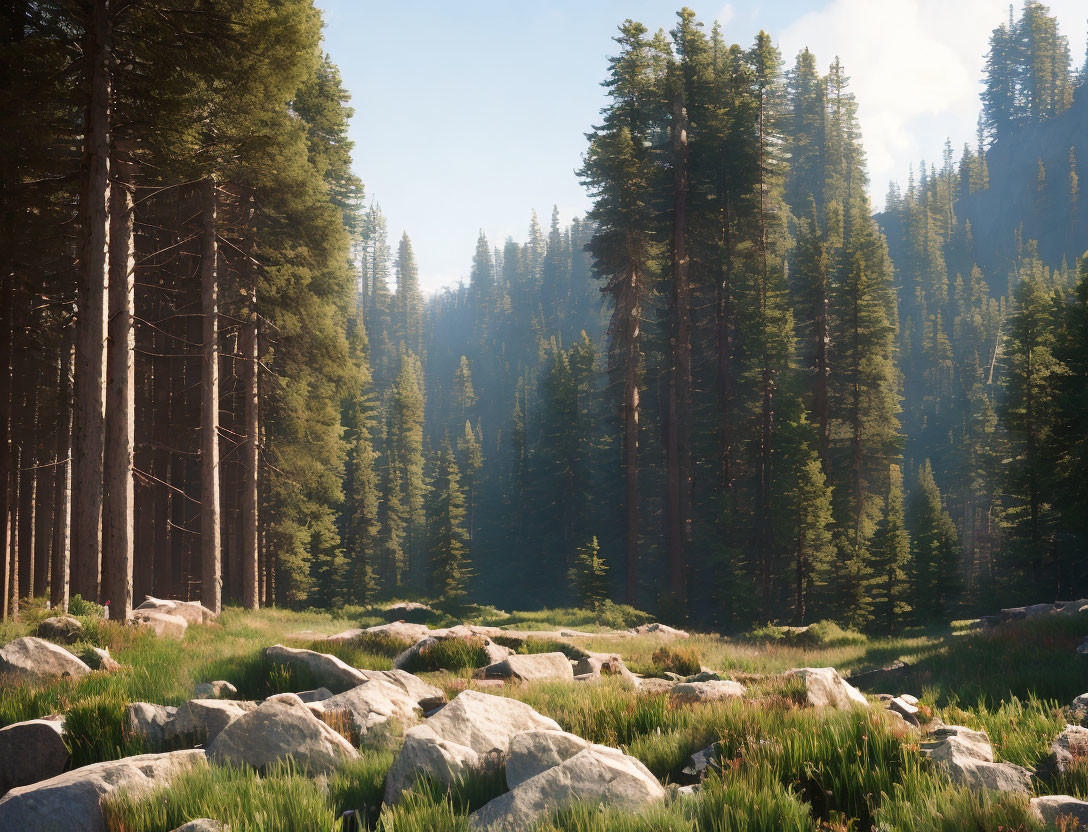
(678, 474)
(90, 378)
(62, 499)
(253, 587)
(211, 567)
(118, 494)
(28, 461)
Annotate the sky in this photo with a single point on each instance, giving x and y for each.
(472, 114)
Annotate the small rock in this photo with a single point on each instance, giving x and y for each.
(31, 751)
(1080, 705)
(535, 667)
(1068, 747)
(1071, 812)
(910, 700)
(690, 693)
(163, 624)
(825, 688)
(489, 684)
(604, 664)
(318, 695)
(215, 690)
(71, 801)
(203, 825)
(597, 774)
(148, 722)
(286, 698)
(106, 662)
(275, 732)
(905, 709)
(34, 659)
(701, 763)
(968, 758)
(656, 629)
(63, 628)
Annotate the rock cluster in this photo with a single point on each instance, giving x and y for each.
(968, 758)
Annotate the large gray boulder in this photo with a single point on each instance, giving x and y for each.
(276, 731)
(691, 693)
(495, 652)
(192, 611)
(597, 774)
(375, 703)
(72, 801)
(63, 628)
(35, 659)
(162, 624)
(825, 688)
(148, 722)
(404, 631)
(200, 721)
(533, 752)
(968, 758)
(327, 670)
(1060, 811)
(655, 629)
(534, 667)
(1074, 607)
(596, 665)
(31, 751)
(473, 729)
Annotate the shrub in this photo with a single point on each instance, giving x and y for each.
(819, 634)
(683, 660)
(78, 605)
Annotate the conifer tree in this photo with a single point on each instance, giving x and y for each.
(889, 590)
(934, 568)
(408, 303)
(589, 576)
(447, 538)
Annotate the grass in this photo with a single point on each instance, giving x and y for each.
(784, 766)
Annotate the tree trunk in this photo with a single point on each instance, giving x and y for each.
(28, 461)
(7, 291)
(678, 468)
(62, 499)
(90, 378)
(253, 582)
(211, 568)
(43, 522)
(118, 504)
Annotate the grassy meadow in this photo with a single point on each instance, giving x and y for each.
(783, 766)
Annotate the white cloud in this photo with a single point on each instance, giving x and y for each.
(726, 15)
(915, 67)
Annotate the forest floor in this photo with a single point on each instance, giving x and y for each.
(790, 766)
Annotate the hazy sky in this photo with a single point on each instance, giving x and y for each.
(471, 114)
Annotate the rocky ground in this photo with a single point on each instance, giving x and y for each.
(414, 722)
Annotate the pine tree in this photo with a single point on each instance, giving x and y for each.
(408, 302)
(406, 436)
(889, 590)
(447, 539)
(589, 576)
(471, 461)
(934, 570)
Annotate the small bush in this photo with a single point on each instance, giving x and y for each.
(543, 645)
(449, 654)
(683, 660)
(820, 634)
(78, 605)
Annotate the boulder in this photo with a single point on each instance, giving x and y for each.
(597, 665)
(596, 774)
(148, 722)
(656, 629)
(200, 721)
(161, 623)
(31, 751)
(1068, 747)
(495, 652)
(653, 685)
(908, 710)
(276, 731)
(968, 758)
(106, 662)
(1074, 607)
(34, 659)
(286, 698)
(215, 690)
(341, 637)
(71, 801)
(1022, 613)
(317, 695)
(690, 693)
(401, 630)
(825, 688)
(326, 670)
(192, 611)
(701, 763)
(372, 704)
(203, 825)
(1060, 811)
(534, 667)
(427, 696)
(1079, 706)
(407, 611)
(533, 752)
(461, 737)
(886, 677)
(63, 628)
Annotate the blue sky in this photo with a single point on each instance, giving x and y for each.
(472, 114)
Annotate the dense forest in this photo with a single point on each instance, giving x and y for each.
(731, 393)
